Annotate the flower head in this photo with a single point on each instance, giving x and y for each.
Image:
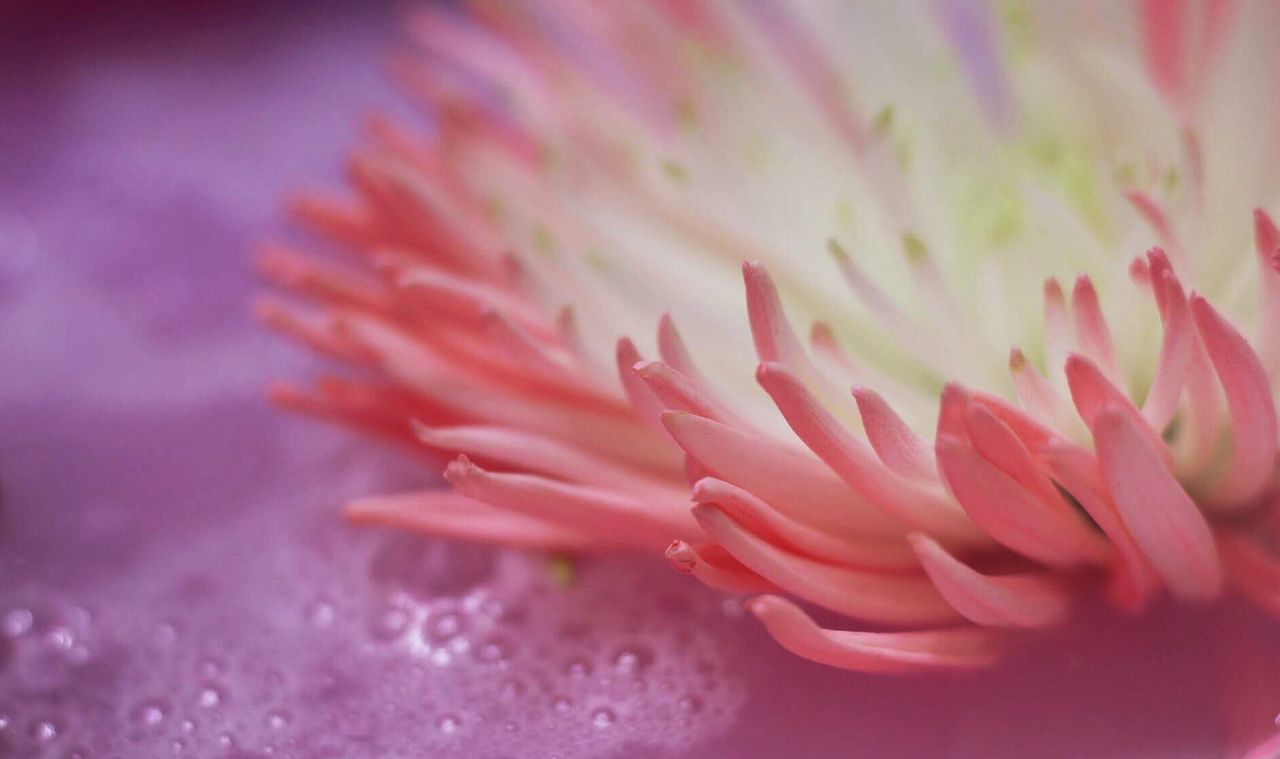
(917, 181)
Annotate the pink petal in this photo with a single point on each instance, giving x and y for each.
(898, 446)
(1177, 348)
(1092, 393)
(788, 479)
(920, 506)
(1009, 601)
(875, 596)
(680, 393)
(873, 652)
(770, 524)
(1010, 513)
(1162, 518)
(641, 398)
(616, 517)
(728, 576)
(1076, 470)
(1091, 328)
(537, 453)
(1249, 405)
(1252, 570)
(446, 514)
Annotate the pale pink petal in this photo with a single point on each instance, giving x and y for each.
(449, 515)
(867, 594)
(1252, 570)
(922, 506)
(789, 479)
(1025, 600)
(729, 576)
(1091, 328)
(1010, 513)
(962, 648)
(797, 537)
(539, 454)
(1249, 405)
(1162, 518)
(1076, 470)
(616, 517)
(897, 445)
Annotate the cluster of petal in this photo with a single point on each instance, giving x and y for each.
(598, 170)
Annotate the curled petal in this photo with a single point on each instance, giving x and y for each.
(897, 445)
(1252, 569)
(722, 572)
(681, 393)
(1011, 514)
(1011, 601)
(777, 528)
(1163, 520)
(617, 518)
(790, 480)
(1091, 327)
(961, 648)
(1249, 405)
(921, 506)
(446, 514)
(875, 596)
(1076, 470)
(537, 453)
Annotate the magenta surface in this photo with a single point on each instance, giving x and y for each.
(175, 578)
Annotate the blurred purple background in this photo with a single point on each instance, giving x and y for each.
(175, 578)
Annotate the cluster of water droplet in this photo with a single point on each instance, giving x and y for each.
(343, 644)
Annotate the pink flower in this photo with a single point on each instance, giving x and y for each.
(596, 171)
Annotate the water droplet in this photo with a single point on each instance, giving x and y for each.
(178, 745)
(277, 720)
(210, 696)
(603, 718)
(165, 634)
(319, 613)
(17, 622)
(690, 703)
(446, 626)
(449, 724)
(493, 651)
(441, 657)
(149, 713)
(59, 638)
(512, 688)
(226, 740)
(211, 666)
(578, 668)
(390, 624)
(188, 725)
(43, 731)
(562, 704)
(633, 660)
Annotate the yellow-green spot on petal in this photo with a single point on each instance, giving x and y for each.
(543, 240)
(882, 124)
(687, 115)
(1072, 169)
(756, 154)
(845, 215)
(495, 210)
(675, 171)
(562, 570)
(914, 248)
(596, 259)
